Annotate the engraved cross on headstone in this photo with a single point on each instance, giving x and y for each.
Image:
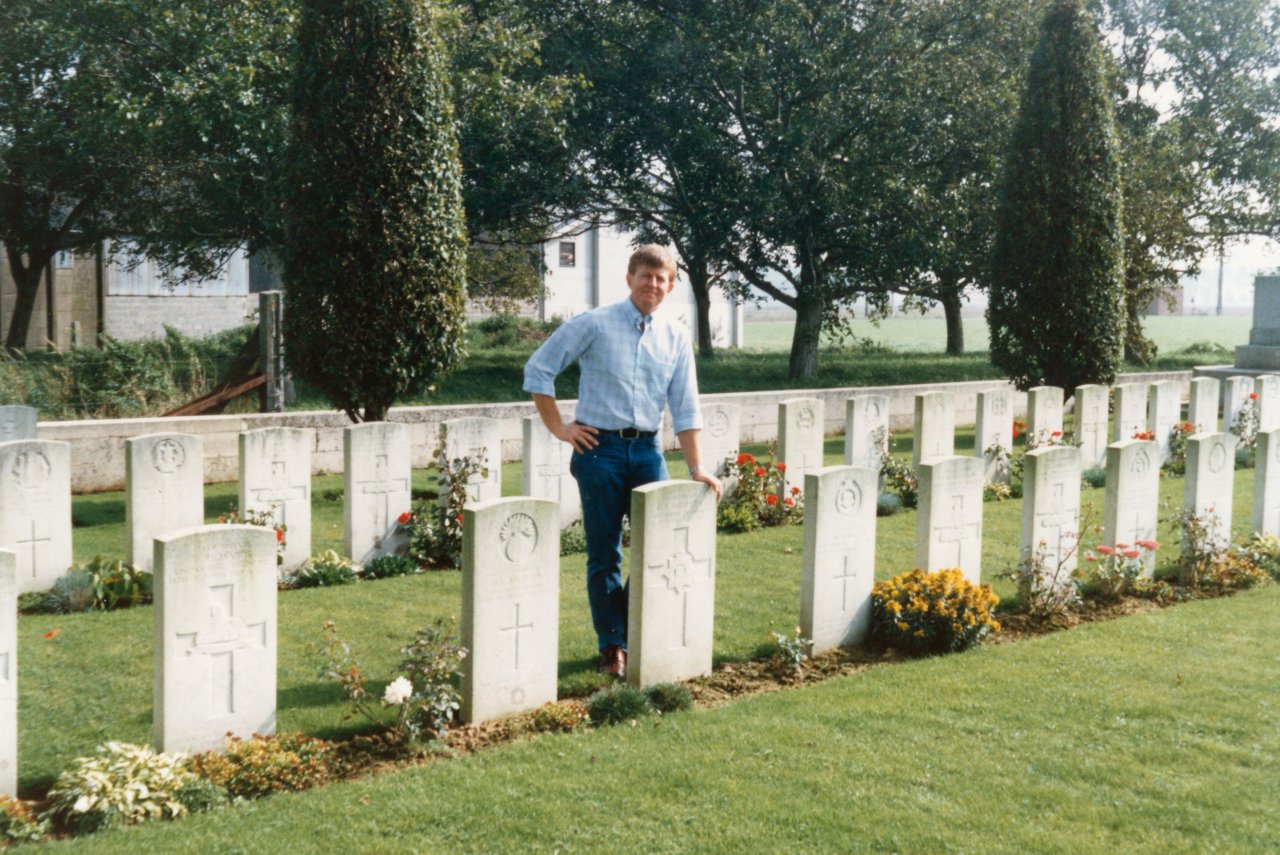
(8, 427)
(551, 475)
(1141, 530)
(960, 531)
(280, 492)
(515, 629)
(34, 542)
(1057, 519)
(383, 487)
(678, 571)
(221, 637)
(844, 578)
(5, 676)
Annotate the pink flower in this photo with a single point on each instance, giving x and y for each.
(1147, 544)
(1106, 550)
(1132, 553)
(1122, 546)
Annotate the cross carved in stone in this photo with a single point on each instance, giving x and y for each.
(34, 543)
(552, 475)
(5, 676)
(679, 571)
(279, 493)
(515, 629)
(1057, 519)
(844, 576)
(959, 532)
(218, 640)
(382, 487)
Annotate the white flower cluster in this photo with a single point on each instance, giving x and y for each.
(398, 691)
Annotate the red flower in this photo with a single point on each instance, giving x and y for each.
(795, 491)
(1253, 396)
(222, 519)
(782, 467)
(1056, 433)
(1132, 553)
(279, 536)
(788, 501)
(759, 471)
(1147, 544)
(404, 518)
(1106, 550)
(1091, 558)
(744, 459)
(771, 499)
(1122, 546)
(459, 519)
(51, 633)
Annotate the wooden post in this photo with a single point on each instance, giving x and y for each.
(271, 342)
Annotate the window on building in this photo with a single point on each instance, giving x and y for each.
(568, 253)
(64, 260)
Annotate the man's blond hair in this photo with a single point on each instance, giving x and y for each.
(652, 255)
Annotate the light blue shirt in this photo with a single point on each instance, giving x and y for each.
(628, 374)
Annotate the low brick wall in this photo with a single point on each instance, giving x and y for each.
(97, 447)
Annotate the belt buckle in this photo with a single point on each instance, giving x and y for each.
(629, 433)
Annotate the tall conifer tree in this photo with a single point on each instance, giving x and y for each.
(375, 245)
(1056, 301)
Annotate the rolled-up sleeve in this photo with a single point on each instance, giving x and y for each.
(682, 393)
(556, 354)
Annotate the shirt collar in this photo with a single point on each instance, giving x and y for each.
(634, 318)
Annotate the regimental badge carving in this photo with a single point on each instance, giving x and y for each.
(1218, 457)
(519, 537)
(873, 411)
(30, 469)
(1141, 463)
(805, 417)
(999, 404)
(717, 423)
(848, 497)
(168, 456)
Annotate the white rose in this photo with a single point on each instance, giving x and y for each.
(398, 691)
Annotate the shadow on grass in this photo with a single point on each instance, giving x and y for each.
(310, 695)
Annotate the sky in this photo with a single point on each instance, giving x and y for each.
(1243, 262)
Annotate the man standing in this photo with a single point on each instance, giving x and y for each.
(633, 363)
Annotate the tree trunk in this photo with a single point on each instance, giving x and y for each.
(955, 329)
(26, 278)
(700, 283)
(804, 341)
(1138, 349)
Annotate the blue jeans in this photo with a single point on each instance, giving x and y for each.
(606, 475)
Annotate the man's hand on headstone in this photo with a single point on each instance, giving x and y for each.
(711, 481)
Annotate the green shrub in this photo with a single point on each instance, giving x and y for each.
(1264, 551)
(37, 603)
(18, 822)
(559, 717)
(74, 592)
(324, 571)
(670, 697)
(252, 768)
(573, 540)
(121, 784)
(788, 655)
(388, 566)
(759, 499)
(618, 703)
(887, 504)
(200, 795)
(1095, 477)
(931, 612)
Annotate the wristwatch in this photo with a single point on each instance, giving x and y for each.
(694, 470)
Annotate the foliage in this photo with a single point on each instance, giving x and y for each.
(500, 331)
(559, 717)
(434, 528)
(101, 584)
(1055, 306)
(996, 491)
(324, 571)
(1094, 476)
(1203, 544)
(789, 654)
(573, 540)
(755, 502)
(200, 795)
(263, 765)
(900, 478)
(1177, 462)
(931, 612)
(887, 504)
(1245, 426)
(121, 784)
(1045, 587)
(1264, 551)
(18, 821)
(265, 519)
(1111, 572)
(617, 703)
(670, 697)
(1233, 570)
(375, 198)
(389, 566)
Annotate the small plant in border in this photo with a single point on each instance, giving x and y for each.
(759, 500)
(931, 612)
(1113, 571)
(324, 571)
(1177, 462)
(263, 765)
(1245, 426)
(18, 821)
(266, 519)
(790, 652)
(1045, 586)
(121, 784)
(434, 529)
(899, 478)
(618, 703)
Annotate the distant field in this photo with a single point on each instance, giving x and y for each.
(929, 335)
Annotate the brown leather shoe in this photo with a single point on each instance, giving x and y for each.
(613, 661)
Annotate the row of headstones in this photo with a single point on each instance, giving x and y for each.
(214, 642)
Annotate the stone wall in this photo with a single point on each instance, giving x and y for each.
(129, 318)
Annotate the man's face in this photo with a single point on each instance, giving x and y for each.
(649, 285)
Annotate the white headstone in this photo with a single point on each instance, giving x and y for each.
(1044, 413)
(1164, 411)
(214, 648)
(839, 561)
(1268, 388)
(1051, 510)
(994, 427)
(510, 606)
(671, 608)
(866, 434)
(376, 483)
(1131, 510)
(721, 427)
(949, 522)
(1266, 483)
(934, 428)
(1202, 408)
(1211, 464)
(35, 509)
(800, 447)
(1130, 411)
(164, 490)
(478, 439)
(545, 474)
(1236, 392)
(8, 673)
(1091, 424)
(17, 422)
(275, 478)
